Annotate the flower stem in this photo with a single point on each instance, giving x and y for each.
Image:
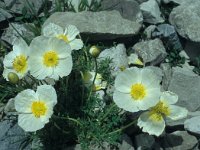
(68, 118)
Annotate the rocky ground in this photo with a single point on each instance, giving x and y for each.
(161, 32)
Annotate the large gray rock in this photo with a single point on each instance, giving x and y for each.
(179, 140)
(186, 18)
(97, 25)
(151, 12)
(150, 51)
(193, 125)
(186, 84)
(4, 15)
(118, 56)
(11, 136)
(129, 9)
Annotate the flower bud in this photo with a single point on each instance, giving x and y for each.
(94, 51)
(13, 77)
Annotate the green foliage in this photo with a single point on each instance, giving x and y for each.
(174, 58)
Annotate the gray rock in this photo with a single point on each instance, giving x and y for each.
(149, 30)
(168, 35)
(144, 141)
(118, 56)
(176, 1)
(193, 125)
(129, 9)
(167, 74)
(11, 136)
(96, 25)
(151, 12)
(151, 51)
(179, 140)
(4, 15)
(15, 31)
(141, 1)
(185, 18)
(126, 143)
(186, 84)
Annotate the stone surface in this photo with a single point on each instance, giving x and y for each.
(167, 74)
(11, 136)
(129, 9)
(149, 30)
(179, 140)
(15, 30)
(176, 1)
(168, 35)
(186, 84)
(97, 25)
(4, 15)
(118, 56)
(193, 125)
(151, 12)
(150, 51)
(185, 18)
(126, 143)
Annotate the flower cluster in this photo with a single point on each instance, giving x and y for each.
(138, 89)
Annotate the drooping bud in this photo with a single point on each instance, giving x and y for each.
(94, 51)
(13, 77)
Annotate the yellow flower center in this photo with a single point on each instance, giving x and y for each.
(139, 62)
(38, 109)
(63, 37)
(50, 59)
(122, 68)
(138, 91)
(20, 64)
(157, 112)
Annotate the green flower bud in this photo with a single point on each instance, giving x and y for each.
(94, 51)
(13, 77)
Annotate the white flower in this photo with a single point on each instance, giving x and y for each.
(49, 57)
(133, 59)
(88, 78)
(68, 34)
(153, 122)
(136, 89)
(16, 61)
(35, 108)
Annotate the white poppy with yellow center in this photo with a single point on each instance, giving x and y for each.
(50, 57)
(16, 61)
(153, 122)
(136, 89)
(68, 34)
(35, 108)
(133, 59)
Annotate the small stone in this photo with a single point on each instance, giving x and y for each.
(167, 74)
(101, 25)
(151, 51)
(179, 140)
(149, 30)
(4, 15)
(126, 143)
(185, 18)
(151, 12)
(144, 141)
(193, 125)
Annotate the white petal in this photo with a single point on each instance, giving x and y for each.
(9, 58)
(24, 99)
(71, 32)
(52, 30)
(169, 97)
(21, 47)
(47, 94)
(30, 123)
(177, 112)
(76, 44)
(124, 101)
(126, 79)
(149, 126)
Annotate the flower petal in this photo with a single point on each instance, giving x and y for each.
(169, 97)
(52, 30)
(71, 32)
(177, 112)
(76, 44)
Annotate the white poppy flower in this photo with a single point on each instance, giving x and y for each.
(35, 108)
(49, 57)
(136, 89)
(133, 59)
(88, 78)
(68, 34)
(153, 122)
(16, 61)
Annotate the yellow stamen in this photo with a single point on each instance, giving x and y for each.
(63, 37)
(20, 64)
(138, 91)
(50, 59)
(38, 109)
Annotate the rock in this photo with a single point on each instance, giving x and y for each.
(144, 141)
(101, 25)
(151, 51)
(168, 35)
(185, 18)
(4, 15)
(149, 30)
(179, 140)
(118, 56)
(129, 9)
(151, 12)
(192, 49)
(126, 143)
(167, 73)
(193, 125)
(11, 136)
(175, 1)
(141, 1)
(15, 31)
(186, 84)
(18, 6)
